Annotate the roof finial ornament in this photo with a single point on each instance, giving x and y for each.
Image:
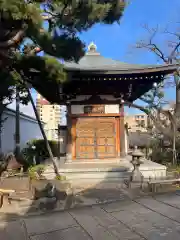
(92, 47)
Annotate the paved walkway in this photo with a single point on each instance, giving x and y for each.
(143, 218)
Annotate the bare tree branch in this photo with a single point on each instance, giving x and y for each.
(176, 34)
(174, 51)
(153, 48)
(156, 120)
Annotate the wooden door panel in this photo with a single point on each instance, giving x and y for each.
(85, 141)
(101, 149)
(85, 152)
(106, 141)
(110, 149)
(82, 155)
(101, 141)
(106, 136)
(111, 141)
(95, 138)
(84, 128)
(85, 133)
(86, 149)
(105, 127)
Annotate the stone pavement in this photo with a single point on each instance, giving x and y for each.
(142, 218)
(79, 196)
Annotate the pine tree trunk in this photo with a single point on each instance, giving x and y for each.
(43, 133)
(0, 132)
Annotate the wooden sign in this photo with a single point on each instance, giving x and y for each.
(94, 109)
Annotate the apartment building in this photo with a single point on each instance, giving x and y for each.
(52, 115)
(137, 122)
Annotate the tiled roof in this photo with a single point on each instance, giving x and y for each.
(94, 61)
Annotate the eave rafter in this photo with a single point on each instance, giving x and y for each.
(118, 78)
(127, 87)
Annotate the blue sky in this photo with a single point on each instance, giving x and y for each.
(117, 41)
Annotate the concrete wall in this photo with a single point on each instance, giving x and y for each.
(29, 129)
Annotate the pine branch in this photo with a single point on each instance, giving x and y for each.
(46, 17)
(34, 51)
(14, 40)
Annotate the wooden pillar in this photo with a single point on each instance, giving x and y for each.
(69, 135)
(122, 132)
(127, 138)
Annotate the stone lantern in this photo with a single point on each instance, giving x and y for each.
(137, 160)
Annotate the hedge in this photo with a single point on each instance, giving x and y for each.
(40, 151)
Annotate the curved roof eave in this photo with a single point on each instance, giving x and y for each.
(167, 69)
(93, 62)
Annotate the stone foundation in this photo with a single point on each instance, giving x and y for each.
(106, 171)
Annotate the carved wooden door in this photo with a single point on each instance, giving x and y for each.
(105, 138)
(85, 132)
(95, 138)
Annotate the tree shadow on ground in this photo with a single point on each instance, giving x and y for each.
(48, 196)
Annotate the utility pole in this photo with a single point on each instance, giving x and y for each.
(59, 126)
(17, 124)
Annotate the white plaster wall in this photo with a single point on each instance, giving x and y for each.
(79, 109)
(112, 108)
(29, 129)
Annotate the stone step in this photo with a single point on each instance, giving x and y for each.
(96, 161)
(107, 171)
(93, 176)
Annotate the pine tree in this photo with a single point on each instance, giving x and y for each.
(52, 25)
(28, 27)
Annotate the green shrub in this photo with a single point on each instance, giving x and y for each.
(28, 155)
(160, 153)
(35, 172)
(60, 178)
(40, 151)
